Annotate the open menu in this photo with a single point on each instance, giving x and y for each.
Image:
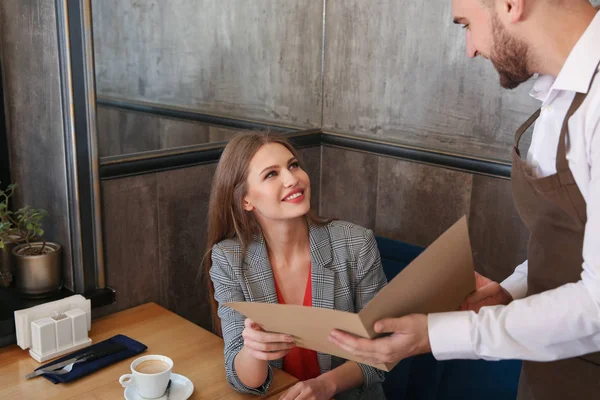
(438, 280)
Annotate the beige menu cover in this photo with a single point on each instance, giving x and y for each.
(436, 281)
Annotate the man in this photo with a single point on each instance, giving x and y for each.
(548, 312)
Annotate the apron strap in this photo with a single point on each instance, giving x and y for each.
(525, 126)
(562, 164)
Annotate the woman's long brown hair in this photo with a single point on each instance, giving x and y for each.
(226, 217)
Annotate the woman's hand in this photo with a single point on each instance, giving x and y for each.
(263, 345)
(312, 389)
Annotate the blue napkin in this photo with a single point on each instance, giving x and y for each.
(84, 368)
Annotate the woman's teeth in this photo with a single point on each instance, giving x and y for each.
(294, 196)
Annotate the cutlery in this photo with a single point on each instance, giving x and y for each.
(87, 356)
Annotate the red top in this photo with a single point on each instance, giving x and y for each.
(299, 362)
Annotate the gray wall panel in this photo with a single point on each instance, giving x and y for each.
(258, 60)
(182, 228)
(122, 131)
(130, 212)
(34, 119)
(349, 186)
(398, 70)
(416, 203)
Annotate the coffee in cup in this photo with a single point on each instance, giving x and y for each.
(152, 367)
(150, 374)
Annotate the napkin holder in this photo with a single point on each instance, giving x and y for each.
(55, 328)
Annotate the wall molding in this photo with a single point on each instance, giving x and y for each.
(161, 160)
(123, 166)
(131, 167)
(189, 115)
(438, 159)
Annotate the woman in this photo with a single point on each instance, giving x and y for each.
(266, 246)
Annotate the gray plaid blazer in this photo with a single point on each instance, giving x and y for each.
(346, 274)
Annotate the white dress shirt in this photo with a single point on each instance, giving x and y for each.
(563, 322)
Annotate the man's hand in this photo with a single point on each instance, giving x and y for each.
(312, 389)
(409, 337)
(487, 293)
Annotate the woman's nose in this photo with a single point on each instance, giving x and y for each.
(289, 179)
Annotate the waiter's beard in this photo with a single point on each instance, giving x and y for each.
(509, 56)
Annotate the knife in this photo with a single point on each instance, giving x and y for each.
(91, 355)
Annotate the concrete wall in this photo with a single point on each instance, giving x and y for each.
(258, 60)
(396, 71)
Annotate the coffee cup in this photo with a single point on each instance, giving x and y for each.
(150, 374)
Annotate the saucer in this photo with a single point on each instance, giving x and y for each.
(181, 389)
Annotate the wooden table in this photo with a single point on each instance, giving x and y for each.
(196, 353)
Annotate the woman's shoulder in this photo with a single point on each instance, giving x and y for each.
(339, 229)
(228, 250)
(351, 242)
(229, 245)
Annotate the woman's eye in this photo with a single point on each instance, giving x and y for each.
(270, 174)
(294, 165)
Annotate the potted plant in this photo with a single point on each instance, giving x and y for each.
(35, 263)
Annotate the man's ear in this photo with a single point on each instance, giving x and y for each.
(514, 10)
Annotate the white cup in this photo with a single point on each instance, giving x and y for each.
(149, 385)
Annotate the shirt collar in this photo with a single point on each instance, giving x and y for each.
(541, 87)
(577, 72)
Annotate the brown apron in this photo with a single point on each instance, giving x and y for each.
(554, 211)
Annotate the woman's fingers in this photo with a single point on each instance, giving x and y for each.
(248, 323)
(266, 337)
(256, 340)
(268, 347)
